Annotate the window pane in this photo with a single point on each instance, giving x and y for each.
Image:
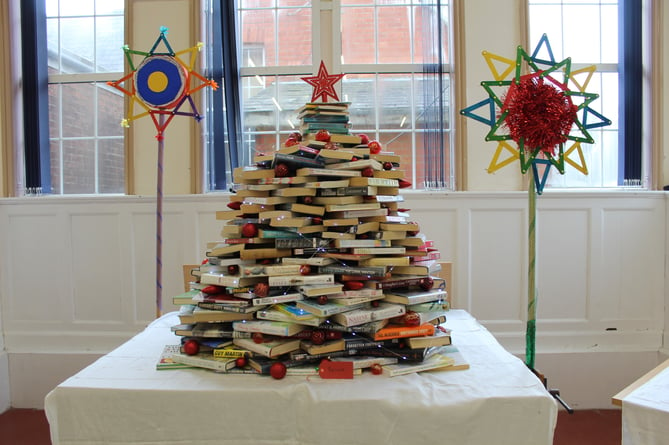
(77, 45)
(111, 160)
(75, 7)
(394, 34)
(79, 166)
(294, 29)
(108, 43)
(258, 30)
(110, 108)
(105, 7)
(358, 35)
(78, 112)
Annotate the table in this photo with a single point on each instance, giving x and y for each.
(645, 408)
(122, 399)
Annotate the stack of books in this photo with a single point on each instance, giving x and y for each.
(318, 263)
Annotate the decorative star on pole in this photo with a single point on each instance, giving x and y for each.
(162, 83)
(323, 84)
(538, 111)
(161, 86)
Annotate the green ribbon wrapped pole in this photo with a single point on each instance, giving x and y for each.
(530, 332)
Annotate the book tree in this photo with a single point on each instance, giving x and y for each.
(321, 270)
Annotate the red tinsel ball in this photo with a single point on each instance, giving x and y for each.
(539, 113)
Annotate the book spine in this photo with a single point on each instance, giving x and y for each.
(389, 311)
(224, 307)
(403, 332)
(394, 284)
(285, 298)
(260, 270)
(230, 353)
(296, 280)
(353, 318)
(349, 191)
(301, 242)
(269, 328)
(403, 355)
(353, 270)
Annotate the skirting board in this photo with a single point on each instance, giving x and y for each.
(5, 392)
(586, 380)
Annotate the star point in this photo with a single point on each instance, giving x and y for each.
(323, 84)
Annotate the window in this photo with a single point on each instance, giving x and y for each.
(395, 57)
(84, 43)
(605, 33)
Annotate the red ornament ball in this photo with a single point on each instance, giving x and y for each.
(233, 269)
(367, 172)
(261, 289)
(318, 337)
(191, 347)
(249, 230)
(353, 285)
(308, 200)
(539, 113)
(331, 146)
(305, 269)
(376, 369)
(411, 318)
(387, 165)
(374, 147)
(257, 337)
(295, 135)
(278, 370)
(322, 299)
(240, 362)
(323, 136)
(364, 139)
(235, 205)
(281, 170)
(426, 283)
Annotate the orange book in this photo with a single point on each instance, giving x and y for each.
(395, 331)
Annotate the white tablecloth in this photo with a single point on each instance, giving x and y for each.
(645, 415)
(122, 399)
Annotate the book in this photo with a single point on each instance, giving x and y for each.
(208, 315)
(327, 172)
(307, 209)
(336, 183)
(376, 182)
(435, 361)
(220, 279)
(297, 280)
(274, 313)
(314, 290)
(400, 331)
(325, 348)
(208, 330)
(325, 310)
(411, 297)
(367, 314)
(261, 270)
(225, 307)
(378, 250)
(270, 346)
(165, 361)
(230, 351)
(283, 329)
(284, 297)
(386, 261)
(440, 338)
(207, 361)
(256, 254)
(374, 271)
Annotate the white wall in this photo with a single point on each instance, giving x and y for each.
(78, 278)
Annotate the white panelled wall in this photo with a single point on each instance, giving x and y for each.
(77, 278)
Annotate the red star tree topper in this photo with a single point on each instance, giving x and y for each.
(323, 84)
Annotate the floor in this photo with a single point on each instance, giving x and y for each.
(587, 427)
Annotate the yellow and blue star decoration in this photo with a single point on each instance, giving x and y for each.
(162, 84)
(541, 112)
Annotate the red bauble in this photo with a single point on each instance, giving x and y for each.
(191, 347)
(322, 299)
(278, 370)
(411, 318)
(331, 146)
(281, 170)
(323, 136)
(426, 283)
(318, 337)
(353, 285)
(233, 269)
(305, 269)
(291, 141)
(308, 200)
(387, 165)
(539, 113)
(364, 139)
(257, 337)
(375, 303)
(261, 290)
(235, 205)
(404, 183)
(367, 172)
(295, 135)
(317, 220)
(374, 147)
(241, 362)
(249, 230)
(376, 369)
